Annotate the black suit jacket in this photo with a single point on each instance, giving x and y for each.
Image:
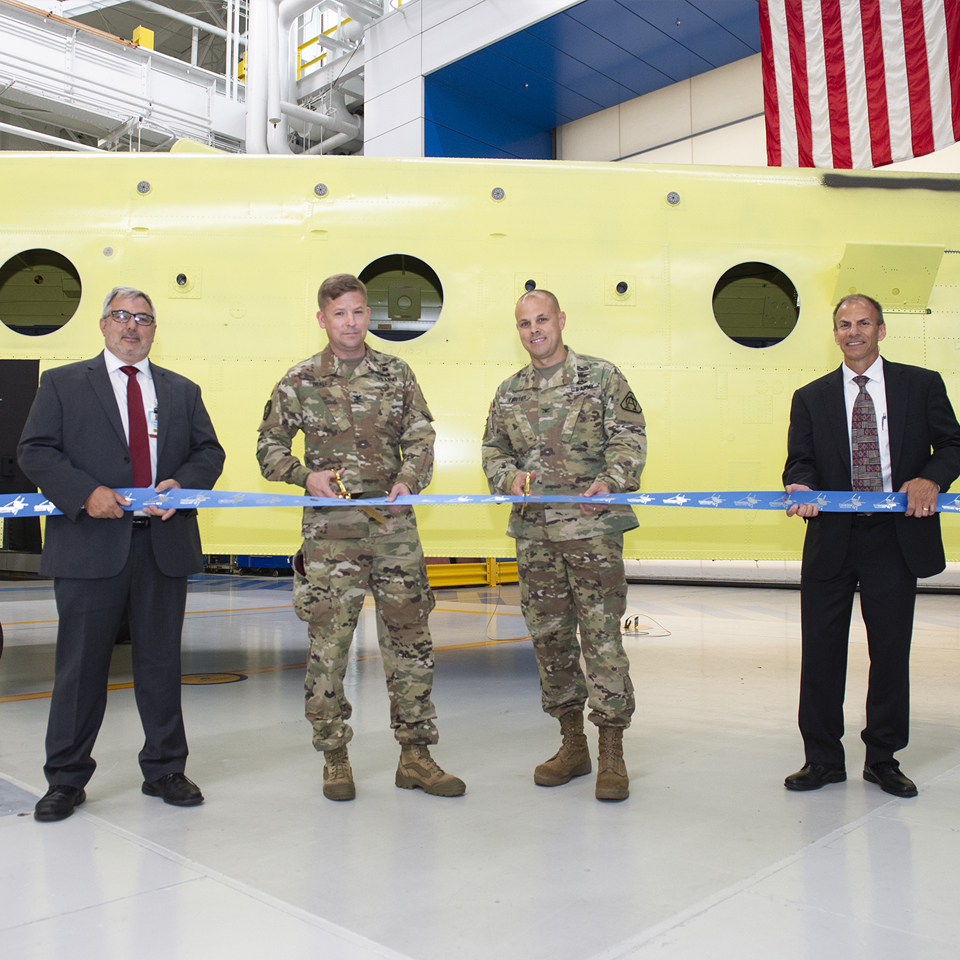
(73, 442)
(924, 442)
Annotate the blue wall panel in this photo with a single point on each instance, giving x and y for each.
(459, 126)
(505, 100)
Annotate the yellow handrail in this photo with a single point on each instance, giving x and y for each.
(301, 66)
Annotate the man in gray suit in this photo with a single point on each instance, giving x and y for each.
(118, 421)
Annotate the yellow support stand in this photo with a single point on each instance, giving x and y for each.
(490, 572)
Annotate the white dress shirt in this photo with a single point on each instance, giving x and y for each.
(118, 380)
(875, 387)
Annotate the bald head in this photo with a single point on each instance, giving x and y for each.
(540, 323)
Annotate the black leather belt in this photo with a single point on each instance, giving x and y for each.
(141, 523)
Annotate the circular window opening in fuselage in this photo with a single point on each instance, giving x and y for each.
(756, 304)
(404, 294)
(39, 292)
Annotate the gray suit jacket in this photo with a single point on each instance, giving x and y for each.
(73, 442)
(924, 442)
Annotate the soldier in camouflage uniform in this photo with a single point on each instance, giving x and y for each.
(568, 424)
(363, 418)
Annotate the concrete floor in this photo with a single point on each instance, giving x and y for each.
(710, 857)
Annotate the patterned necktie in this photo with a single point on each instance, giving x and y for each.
(138, 441)
(867, 474)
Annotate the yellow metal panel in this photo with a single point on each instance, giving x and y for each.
(898, 275)
(254, 239)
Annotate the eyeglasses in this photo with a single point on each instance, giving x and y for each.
(124, 316)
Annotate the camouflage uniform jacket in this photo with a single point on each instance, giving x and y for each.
(584, 424)
(372, 424)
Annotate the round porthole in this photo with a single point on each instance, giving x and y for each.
(39, 292)
(404, 294)
(756, 304)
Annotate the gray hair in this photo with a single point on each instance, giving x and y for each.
(128, 293)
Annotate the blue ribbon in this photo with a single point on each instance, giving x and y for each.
(829, 501)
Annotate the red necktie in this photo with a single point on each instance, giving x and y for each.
(138, 441)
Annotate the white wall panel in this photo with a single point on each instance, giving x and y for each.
(441, 32)
(392, 30)
(395, 108)
(404, 141)
(593, 136)
(453, 29)
(679, 152)
(657, 118)
(739, 144)
(946, 160)
(727, 94)
(678, 123)
(391, 69)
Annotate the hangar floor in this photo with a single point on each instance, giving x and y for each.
(710, 858)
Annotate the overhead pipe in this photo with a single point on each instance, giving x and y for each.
(271, 85)
(284, 90)
(47, 138)
(331, 143)
(273, 72)
(258, 67)
(322, 120)
(182, 17)
(332, 43)
(361, 10)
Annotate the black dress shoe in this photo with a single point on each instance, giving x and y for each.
(813, 776)
(58, 803)
(175, 788)
(886, 774)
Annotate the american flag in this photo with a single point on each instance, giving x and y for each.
(859, 83)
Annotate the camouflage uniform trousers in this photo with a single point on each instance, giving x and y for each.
(330, 597)
(563, 584)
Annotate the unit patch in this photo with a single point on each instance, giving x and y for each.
(629, 403)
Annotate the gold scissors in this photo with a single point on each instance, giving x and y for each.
(526, 493)
(345, 495)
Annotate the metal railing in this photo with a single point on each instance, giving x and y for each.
(301, 66)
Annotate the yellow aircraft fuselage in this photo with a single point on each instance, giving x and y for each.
(233, 249)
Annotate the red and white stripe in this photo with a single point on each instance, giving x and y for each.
(859, 83)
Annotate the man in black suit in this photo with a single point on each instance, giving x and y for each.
(870, 425)
(118, 421)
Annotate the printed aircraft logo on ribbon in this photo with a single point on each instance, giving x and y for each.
(831, 501)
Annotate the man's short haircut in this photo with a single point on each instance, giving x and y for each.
(862, 297)
(128, 293)
(336, 286)
(537, 292)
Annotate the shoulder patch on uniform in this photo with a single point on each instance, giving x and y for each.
(629, 403)
(266, 409)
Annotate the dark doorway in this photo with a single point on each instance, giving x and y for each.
(18, 387)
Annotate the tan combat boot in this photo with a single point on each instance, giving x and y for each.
(337, 775)
(573, 757)
(418, 769)
(612, 780)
